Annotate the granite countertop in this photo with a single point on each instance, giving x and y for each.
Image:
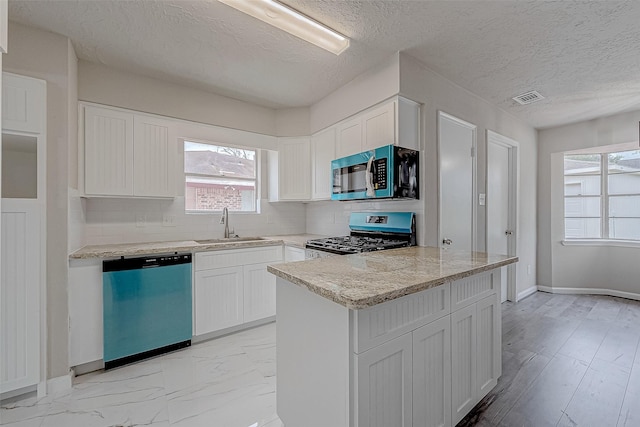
(297, 240)
(150, 248)
(364, 280)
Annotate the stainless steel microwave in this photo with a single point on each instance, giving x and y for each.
(384, 172)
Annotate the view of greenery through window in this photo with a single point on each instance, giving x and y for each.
(602, 196)
(219, 176)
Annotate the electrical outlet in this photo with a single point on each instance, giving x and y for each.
(141, 220)
(168, 220)
(482, 199)
(529, 269)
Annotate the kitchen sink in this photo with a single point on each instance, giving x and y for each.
(228, 240)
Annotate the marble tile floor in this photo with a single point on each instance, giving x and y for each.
(225, 382)
(568, 360)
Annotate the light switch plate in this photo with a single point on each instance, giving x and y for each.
(482, 199)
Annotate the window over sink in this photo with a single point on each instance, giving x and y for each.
(219, 176)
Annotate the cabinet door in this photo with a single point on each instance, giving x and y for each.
(384, 384)
(489, 357)
(85, 311)
(378, 126)
(108, 151)
(20, 295)
(463, 362)
(349, 138)
(294, 167)
(259, 292)
(23, 100)
(294, 254)
(218, 299)
(432, 374)
(323, 150)
(154, 157)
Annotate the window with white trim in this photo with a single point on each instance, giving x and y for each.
(219, 176)
(602, 196)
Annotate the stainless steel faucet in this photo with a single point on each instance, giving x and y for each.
(225, 220)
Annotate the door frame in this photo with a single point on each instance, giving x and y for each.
(474, 179)
(513, 146)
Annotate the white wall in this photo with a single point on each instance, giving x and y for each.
(201, 116)
(104, 85)
(49, 57)
(365, 90)
(590, 267)
(412, 79)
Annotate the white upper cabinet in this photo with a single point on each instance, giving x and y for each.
(4, 18)
(323, 150)
(349, 137)
(154, 157)
(108, 152)
(379, 126)
(294, 169)
(128, 154)
(396, 121)
(22, 103)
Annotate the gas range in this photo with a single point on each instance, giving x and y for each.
(370, 231)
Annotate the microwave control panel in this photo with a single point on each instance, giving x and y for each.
(380, 174)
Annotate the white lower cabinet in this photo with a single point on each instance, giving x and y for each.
(384, 385)
(218, 299)
(431, 374)
(292, 253)
(463, 361)
(476, 354)
(233, 287)
(259, 292)
(435, 373)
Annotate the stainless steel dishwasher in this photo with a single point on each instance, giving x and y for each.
(147, 307)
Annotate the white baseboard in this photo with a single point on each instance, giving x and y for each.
(526, 292)
(589, 291)
(60, 384)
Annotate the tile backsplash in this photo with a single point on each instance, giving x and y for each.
(112, 220)
(331, 218)
(98, 221)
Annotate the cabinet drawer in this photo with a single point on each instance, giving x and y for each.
(236, 257)
(378, 324)
(473, 288)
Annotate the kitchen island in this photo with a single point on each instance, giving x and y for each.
(402, 337)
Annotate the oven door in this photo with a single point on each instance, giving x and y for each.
(363, 176)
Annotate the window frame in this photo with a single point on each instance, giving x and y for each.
(255, 180)
(604, 196)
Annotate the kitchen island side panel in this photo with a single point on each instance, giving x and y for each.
(312, 348)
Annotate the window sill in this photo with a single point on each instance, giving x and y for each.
(601, 242)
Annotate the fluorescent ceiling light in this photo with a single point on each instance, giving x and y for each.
(293, 22)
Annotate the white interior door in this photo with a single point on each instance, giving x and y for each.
(501, 205)
(498, 205)
(456, 147)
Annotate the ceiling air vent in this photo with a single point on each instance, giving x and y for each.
(528, 97)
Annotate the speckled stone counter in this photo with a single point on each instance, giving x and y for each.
(364, 280)
(297, 240)
(133, 249)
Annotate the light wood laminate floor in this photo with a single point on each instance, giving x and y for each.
(567, 360)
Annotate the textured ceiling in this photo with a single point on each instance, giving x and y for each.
(583, 56)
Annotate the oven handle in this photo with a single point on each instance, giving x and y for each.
(369, 177)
